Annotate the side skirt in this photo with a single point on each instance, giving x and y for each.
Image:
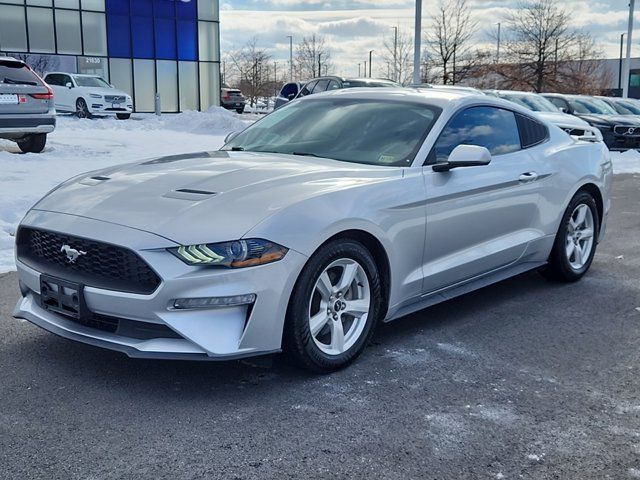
(464, 287)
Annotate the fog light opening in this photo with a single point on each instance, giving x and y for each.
(214, 302)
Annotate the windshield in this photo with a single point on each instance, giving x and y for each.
(532, 102)
(627, 108)
(368, 83)
(376, 132)
(91, 82)
(591, 105)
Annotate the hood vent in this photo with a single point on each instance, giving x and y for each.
(190, 194)
(97, 180)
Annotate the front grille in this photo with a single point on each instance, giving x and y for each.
(114, 98)
(626, 130)
(577, 132)
(100, 264)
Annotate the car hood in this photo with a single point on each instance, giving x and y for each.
(205, 197)
(610, 119)
(106, 91)
(563, 119)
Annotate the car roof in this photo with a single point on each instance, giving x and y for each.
(429, 96)
(515, 92)
(75, 74)
(9, 59)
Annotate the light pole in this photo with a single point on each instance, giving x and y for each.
(417, 41)
(620, 64)
(319, 64)
(370, 53)
(627, 63)
(365, 69)
(395, 54)
(290, 37)
(498, 55)
(359, 74)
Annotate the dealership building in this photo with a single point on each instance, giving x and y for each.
(144, 47)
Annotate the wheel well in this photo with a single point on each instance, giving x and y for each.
(379, 254)
(594, 191)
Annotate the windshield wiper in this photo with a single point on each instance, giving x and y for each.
(18, 82)
(237, 149)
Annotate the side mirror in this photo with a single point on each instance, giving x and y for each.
(562, 109)
(68, 85)
(230, 137)
(465, 156)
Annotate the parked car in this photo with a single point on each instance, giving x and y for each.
(310, 227)
(88, 95)
(624, 106)
(620, 132)
(571, 124)
(287, 93)
(27, 112)
(232, 99)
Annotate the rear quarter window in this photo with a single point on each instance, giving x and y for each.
(532, 132)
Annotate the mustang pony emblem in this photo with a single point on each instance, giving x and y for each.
(71, 253)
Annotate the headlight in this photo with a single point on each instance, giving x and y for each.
(236, 254)
(95, 95)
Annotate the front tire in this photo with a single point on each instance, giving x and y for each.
(334, 307)
(123, 116)
(240, 110)
(576, 240)
(82, 111)
(33, 143)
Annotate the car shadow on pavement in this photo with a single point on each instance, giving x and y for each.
(85, 364)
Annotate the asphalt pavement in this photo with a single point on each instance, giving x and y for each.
(523, 379)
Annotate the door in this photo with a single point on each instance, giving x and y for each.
(482, 218)
(63, 96)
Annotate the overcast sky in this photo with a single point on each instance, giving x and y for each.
(353, 27)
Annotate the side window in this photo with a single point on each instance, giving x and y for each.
(333, 85)
(65, 79)
(490, 127)
(532, 132)
(321, 86)
(307, 89)
(52, 79)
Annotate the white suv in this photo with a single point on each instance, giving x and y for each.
(87, 95)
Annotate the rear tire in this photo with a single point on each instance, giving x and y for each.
(123, 116)
(240, 110)
(334, 308)
(576, 241)
(82, 111)
(33, 143)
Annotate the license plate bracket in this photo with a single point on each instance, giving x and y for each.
(62, 297)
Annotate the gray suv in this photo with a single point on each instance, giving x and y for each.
(27, 113)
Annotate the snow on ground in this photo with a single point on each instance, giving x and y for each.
(78, 146)
(82, 145)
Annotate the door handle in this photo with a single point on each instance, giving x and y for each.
(528, 177)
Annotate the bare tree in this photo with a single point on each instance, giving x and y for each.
(582, 72)
(39, 63)
(539, 38)
(254, 70)
(448, 37)
(313, 58)
(397, 56)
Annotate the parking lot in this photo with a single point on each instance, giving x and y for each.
(524, 379)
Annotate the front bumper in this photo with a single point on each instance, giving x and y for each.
(198, 334)
(620, 143)
(98, 107)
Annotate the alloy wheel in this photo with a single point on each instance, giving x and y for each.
(339, 306)
(580, 233)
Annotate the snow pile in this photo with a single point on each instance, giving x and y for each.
(80, 145)
(626, 162)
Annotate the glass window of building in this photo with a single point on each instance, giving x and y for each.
(208, 10)
(207, 39)
(188, 79)
(97, 5)
(68, 31)
(209, 85)
(13, 32)
(39, 3)
(121, 74)
(167, 75)
(40, 24)
(75, 4)
(94, 33)
(144, 78)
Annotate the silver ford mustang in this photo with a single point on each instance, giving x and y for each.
(334, 213)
